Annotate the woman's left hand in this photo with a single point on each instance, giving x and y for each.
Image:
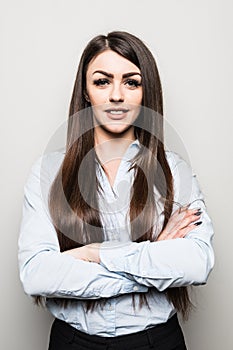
(180, 224)
(89, 252)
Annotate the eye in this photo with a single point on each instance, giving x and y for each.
(101, 82)
(133, 83)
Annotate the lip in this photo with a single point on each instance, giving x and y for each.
(117, 109)
(116, 113)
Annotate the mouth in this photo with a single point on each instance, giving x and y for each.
(116, 113)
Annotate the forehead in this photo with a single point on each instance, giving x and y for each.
(111, 62)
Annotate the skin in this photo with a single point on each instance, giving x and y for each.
(113, 82)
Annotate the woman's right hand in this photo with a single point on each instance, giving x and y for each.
(181, 222)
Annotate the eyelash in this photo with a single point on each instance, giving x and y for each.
(133, 83)
(101, 82)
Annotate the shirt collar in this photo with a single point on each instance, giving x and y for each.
(135, 142)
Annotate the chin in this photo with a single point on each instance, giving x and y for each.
(116, 129)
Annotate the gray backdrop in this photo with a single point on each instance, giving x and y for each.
(41, 42)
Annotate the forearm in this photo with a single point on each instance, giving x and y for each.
(166, 263)
(47, 272)
(53, 274)
(163, 264)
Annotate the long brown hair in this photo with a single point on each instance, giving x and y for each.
(150, 164)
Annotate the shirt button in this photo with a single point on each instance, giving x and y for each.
(110, 307)
(135, 288)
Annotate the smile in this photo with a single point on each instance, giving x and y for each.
(116, 111)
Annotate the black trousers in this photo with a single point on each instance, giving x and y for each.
(166, 336)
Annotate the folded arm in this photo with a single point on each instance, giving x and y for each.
(44, 270)
(169, 262)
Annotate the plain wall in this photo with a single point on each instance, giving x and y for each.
(41, 43)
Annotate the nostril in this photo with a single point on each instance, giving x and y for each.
(114, 99)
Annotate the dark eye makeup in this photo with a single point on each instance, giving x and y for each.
(101, 82)
(132, 83)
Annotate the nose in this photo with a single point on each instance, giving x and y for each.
(116, 94)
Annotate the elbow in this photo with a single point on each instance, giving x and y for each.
(200, 276)
(30, 290)
(203, 275)
(34, 283)
(36, 275)
(31, 286)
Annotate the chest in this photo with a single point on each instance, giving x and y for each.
(111, 170)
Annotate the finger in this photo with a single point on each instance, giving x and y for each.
(195, 211)
(188, 220)
(186, 209)
(183, 232)
(182, 214)
(189, 212)
(179, 220)
(173, 234)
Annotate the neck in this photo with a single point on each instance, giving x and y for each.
(110, 147)
(101, 135)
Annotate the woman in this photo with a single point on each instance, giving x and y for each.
(114, 228)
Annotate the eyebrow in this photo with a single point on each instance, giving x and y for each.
(109, 75)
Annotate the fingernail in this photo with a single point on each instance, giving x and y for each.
(198, 223)
(198, 213)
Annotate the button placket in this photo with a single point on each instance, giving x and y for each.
(110, 316)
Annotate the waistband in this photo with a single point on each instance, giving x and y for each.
(157, 334)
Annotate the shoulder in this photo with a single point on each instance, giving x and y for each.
(176, 161)
(52, 161)
(186, 185)
(40, 177)
(47, 164)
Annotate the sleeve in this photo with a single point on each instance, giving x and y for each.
(169, 263)
(44, 270)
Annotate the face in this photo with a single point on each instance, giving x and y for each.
(113, 87)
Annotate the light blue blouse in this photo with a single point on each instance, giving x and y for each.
(125, 266)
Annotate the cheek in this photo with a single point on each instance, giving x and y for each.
(139, 99)
(97, 97)
(135, 98)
